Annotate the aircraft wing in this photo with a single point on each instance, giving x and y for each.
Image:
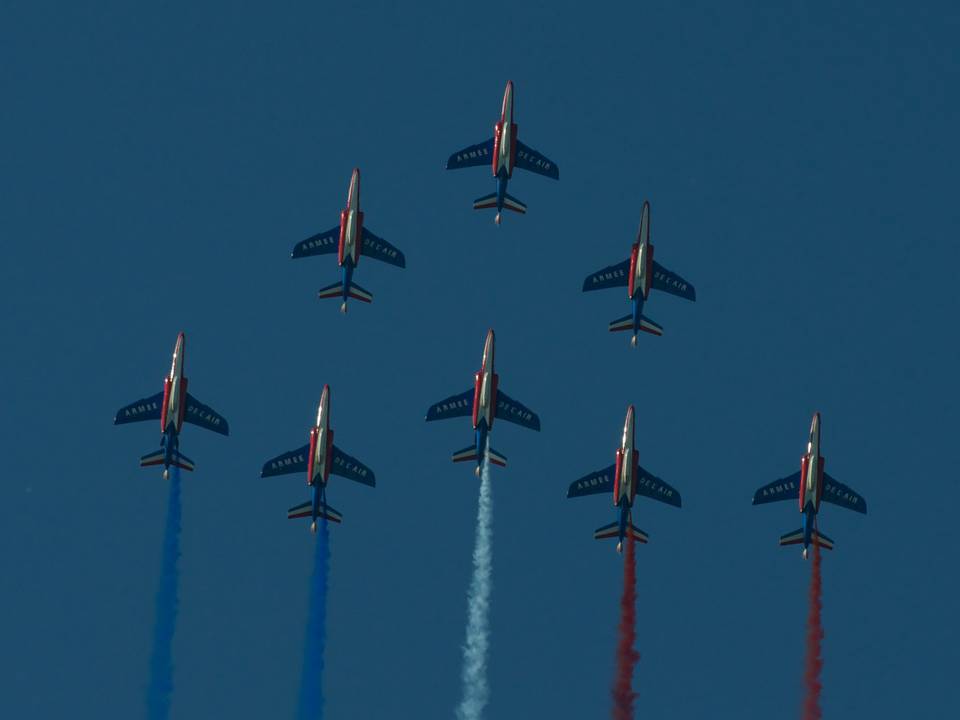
(294, 461)
(529, 159)
(146, 409)
(512, 411)
(649, 485)
(839, 494)
(611, 276)
(351, 468)
(473, 156)
(320, 244)
(205, 416)
(670, 282)
(787, 488)
(379, 249)
(453, 406)
(597, 482)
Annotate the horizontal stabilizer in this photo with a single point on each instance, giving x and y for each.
(822, 540)
(182, 461)
(336, 290)
(511, 203)
(154, 458)
(487, 201)
(358, 293)
(331, 291)
(607, 531)
(816, 538)
(177, 459)
(613, 531)
(648, 325)
(496, 458)
(792, 538)
(468, 453)
(624, 323)
(305, 510)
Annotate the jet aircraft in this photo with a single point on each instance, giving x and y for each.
(172, 408)
(319, 459)
(485, 401)
(350, 239)
(625, 478)
(503, 152)
(812, 484)
(639, 273)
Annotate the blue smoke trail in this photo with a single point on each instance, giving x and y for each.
(311, 678)
(476, 691)
(161, 663)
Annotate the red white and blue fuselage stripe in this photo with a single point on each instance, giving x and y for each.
(321, 454)
(625, 475)
(174, 403)
(485, 398)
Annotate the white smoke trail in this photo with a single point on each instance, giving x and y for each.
(475, 688)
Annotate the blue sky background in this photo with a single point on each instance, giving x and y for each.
(159, 162)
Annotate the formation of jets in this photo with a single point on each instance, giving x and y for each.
(485, 401)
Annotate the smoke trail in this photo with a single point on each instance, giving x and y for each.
(161, 664)
(814, 662)
(311, 675)
(475, 689)
(627, 656)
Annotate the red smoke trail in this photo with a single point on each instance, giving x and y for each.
(814, 664)
(627, 656)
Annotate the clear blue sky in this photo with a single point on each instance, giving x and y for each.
(159, 162)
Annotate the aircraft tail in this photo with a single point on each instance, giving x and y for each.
(490, 201)
(305, 510)
(336, 291)
(613, 531)
(496, 458)
(626, 323)
(511, 203)
(470, 453)
(816, 538)
(177, 459)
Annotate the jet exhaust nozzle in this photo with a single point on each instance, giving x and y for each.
(313, 527)
(343, 308)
